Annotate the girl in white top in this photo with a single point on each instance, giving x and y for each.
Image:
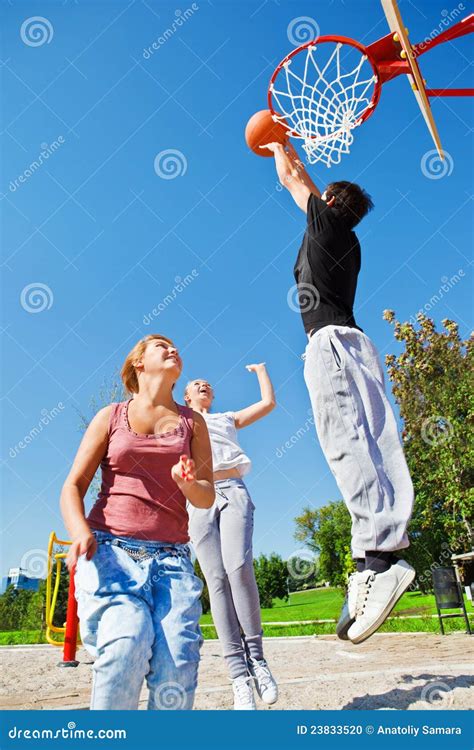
(222, 539)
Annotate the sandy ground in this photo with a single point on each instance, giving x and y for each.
(389, 671)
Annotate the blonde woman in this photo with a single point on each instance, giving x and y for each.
(222, 538)
(138, 597)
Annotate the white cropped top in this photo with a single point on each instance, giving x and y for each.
(226, 451)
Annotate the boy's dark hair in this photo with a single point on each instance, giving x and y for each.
(352, 202)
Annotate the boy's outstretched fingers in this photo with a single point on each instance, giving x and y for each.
(272, 146)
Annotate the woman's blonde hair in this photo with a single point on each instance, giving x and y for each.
(128, 372)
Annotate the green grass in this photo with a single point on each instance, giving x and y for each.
(319, 604)
(19, 637)
(322, 604)
(325, 604)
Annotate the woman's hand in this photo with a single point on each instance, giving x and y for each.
(184, 470)
(84, 544)
(256, 368)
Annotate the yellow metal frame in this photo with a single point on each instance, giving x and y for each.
(54, 565)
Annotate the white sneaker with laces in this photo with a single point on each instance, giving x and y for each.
(243, 694)
(265, 683)
(348, 612)
(377, 594)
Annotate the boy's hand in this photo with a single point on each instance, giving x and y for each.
(274, 147)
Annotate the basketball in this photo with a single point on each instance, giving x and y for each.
(261, 129)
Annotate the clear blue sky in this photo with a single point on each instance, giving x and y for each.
(108, 236)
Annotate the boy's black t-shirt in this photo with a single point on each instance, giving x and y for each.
(326, 269)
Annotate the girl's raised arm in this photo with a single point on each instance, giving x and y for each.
(261, 408)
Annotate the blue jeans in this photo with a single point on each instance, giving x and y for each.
(139, 608)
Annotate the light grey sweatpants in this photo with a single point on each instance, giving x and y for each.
(222, 539)
(358, 434)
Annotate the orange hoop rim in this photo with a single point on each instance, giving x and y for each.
(334, 39)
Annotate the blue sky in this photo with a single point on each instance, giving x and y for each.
(109, 239)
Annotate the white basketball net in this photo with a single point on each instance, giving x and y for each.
(322, 104)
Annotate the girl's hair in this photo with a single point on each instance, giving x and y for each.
(128, 372)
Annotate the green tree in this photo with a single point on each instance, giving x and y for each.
(23, 609)
(33, 618)
(303, 571)
(433, 385)
(271, 574)
(60, 610)
(14, 606)
(326, 531)
(8, 613)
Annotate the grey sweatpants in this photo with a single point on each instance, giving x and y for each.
(358, 434)
(222, 539)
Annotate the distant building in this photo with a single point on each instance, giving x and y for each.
(18, 578)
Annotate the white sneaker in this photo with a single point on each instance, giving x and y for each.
(264, 681)
(377, 594)
(348, 612)
(243, 694)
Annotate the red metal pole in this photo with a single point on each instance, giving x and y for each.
(449, 92)
(72, 623)
(466, 26)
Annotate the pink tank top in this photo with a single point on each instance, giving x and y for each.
(138, 497)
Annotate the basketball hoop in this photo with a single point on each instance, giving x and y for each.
(327, 87)
(322, 91)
